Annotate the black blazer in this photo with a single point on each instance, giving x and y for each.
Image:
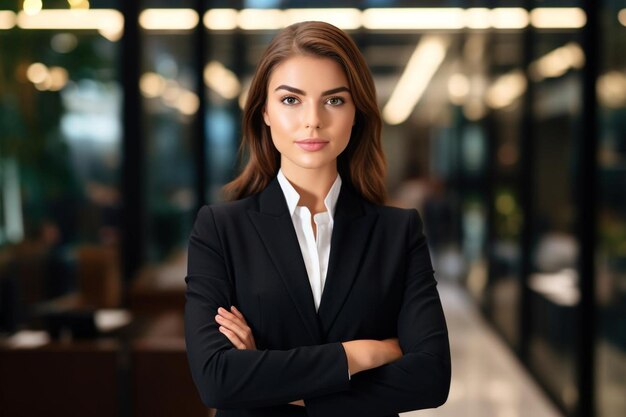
(379, 284)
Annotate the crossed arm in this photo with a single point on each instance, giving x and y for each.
(361, 354)
(392, 381)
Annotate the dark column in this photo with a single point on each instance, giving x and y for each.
(132, 145)
(587, 202)
(199, 123)
(527, 180)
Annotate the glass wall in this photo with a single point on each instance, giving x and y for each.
(169, 87)
(60, 156)
(554, 276)
(611, 243)
(502, 302)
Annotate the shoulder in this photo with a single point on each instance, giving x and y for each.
(221, 213)
(393, 214)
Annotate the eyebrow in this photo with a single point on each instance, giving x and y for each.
(298, 91)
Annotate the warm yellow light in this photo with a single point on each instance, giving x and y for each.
(458, 88)
(506, 89)
(621, 16)
(426, 58)
(7, 19)
(558, 18)
(172, 93)
(79, 4)
(108, 20)
(112, 33)
(611, 89)
(343, 18)
(558, 62)
(188, 103)
(509, 18)
(32, 7)
(168, 19)
(474, 109)
(261, 19)
(413, 18)
(152, 84)
(58, 78)
(221, 19)
(221, 80)
(37, 73)
(478, 18)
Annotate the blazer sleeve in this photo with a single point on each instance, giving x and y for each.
(229, 378)
(421, 378)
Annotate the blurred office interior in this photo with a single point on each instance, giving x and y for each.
(505, 126)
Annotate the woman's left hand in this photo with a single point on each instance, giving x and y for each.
(234, 326)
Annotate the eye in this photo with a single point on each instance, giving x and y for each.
(335, 101)
(289, 100)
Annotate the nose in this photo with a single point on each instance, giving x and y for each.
(312, 117)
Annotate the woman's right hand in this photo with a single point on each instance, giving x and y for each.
(368, 354)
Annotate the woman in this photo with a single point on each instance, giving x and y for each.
(306, 296)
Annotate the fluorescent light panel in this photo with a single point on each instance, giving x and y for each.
(7, 19)
(426, 59)
(94, 19)
(168, 19)
(413, 18)
(442, 18)
(558, 18)
(343, 18)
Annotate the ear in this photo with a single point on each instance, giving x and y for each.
(266, 118)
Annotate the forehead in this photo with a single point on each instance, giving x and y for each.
(308, 73)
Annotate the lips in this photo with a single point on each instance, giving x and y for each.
(311, 145)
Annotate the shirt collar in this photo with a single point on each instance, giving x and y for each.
(292, 196)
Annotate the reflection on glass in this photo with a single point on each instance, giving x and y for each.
(611, 243)
(60, 107)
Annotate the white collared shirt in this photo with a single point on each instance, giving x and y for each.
(315, 249)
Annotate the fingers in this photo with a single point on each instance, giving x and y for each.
(239, 333)
(232, 323)
(234, 339)
(238, 313)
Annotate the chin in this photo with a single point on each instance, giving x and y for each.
(311, 163)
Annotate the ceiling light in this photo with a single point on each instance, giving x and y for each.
(414, 18)
(621, 16)
(221, 80)
(168, 19)
(61, 19)
(557, 62)
(261, 19)
(558, 18)
(426, 58)
(32, 7)
(220, 19)
(343, 18)
(509, 18)
(478, 18)
(7, 19)
(506, 89)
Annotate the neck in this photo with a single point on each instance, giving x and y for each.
(313, 185)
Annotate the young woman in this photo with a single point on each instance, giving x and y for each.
(305, 295)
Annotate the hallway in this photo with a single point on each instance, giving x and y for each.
(487, 379)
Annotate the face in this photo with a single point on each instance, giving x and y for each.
(309, 111)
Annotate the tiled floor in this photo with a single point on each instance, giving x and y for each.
(487, 379)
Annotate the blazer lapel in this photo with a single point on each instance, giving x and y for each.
(351, 232)
(275, 228)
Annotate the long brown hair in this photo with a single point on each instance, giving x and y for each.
(362, 163)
